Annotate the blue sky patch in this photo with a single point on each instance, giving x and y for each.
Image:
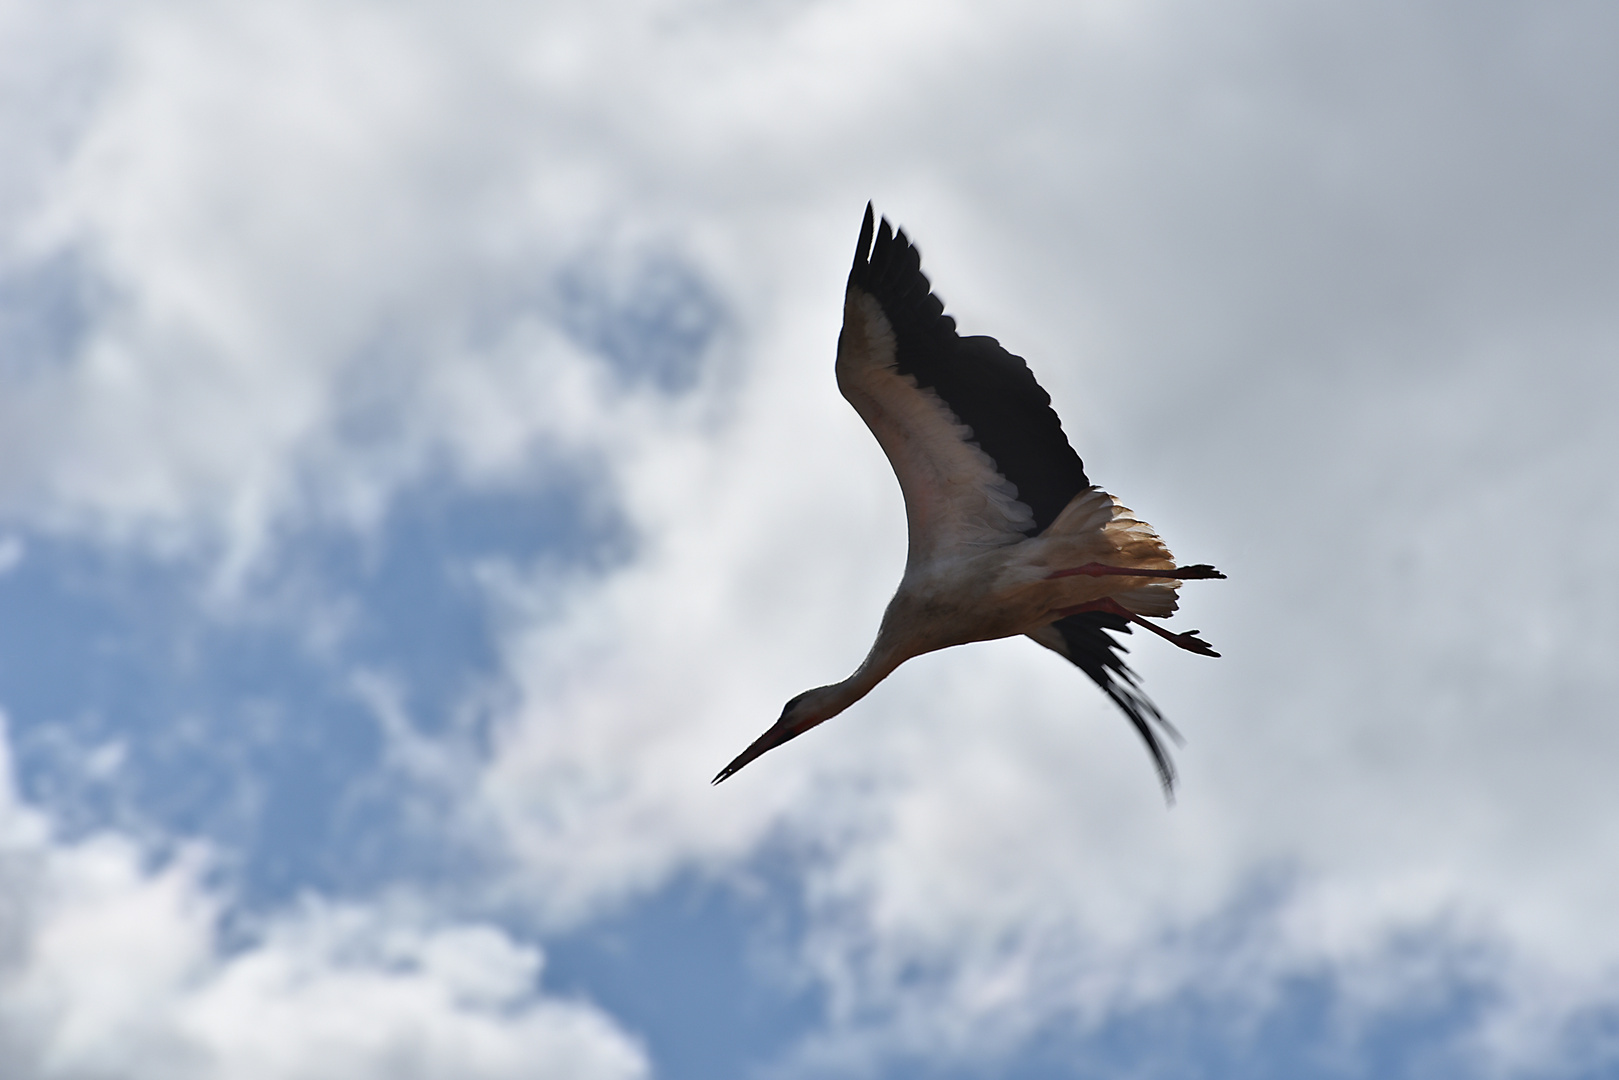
(131, 703)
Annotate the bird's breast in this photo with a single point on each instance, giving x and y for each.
(965, 598)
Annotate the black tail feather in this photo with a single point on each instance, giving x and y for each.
(1100, 656)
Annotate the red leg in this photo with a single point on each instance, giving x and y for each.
(1201, 570)
(1188, 640)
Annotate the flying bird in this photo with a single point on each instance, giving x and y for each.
(1007, 534)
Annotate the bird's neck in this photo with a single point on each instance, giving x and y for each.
(873, 670)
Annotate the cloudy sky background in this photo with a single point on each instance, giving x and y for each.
(421, 469)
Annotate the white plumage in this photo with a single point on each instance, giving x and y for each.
(1007, 534)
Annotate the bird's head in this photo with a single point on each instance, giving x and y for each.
(798, 707)
(799, 715)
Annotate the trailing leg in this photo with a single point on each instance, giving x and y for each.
(1184, 573)
(1189, 640)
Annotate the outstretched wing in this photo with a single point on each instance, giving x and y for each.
(980, 455)
(1084, 640)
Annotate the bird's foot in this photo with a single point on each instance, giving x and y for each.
(1189, 640)
(1185, 573)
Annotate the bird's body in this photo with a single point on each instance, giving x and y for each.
(1007, 535)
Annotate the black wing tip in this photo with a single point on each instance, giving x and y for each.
(885, 256)
(862, 251)
(875, 236)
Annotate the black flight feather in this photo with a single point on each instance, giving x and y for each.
(989, 389)
(1091, 649)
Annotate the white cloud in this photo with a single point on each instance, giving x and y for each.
(294, 238)
(12, 550)
(1323, 293)
(115, 967)
(1355, 398)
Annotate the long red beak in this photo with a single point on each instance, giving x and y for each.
(779, 733)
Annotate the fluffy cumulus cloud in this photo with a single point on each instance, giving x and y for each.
(1322, 292)
(116, 966)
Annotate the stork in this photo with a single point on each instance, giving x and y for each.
(1007, 534)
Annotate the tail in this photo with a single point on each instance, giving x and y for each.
(1083, 640)
(1097, 527)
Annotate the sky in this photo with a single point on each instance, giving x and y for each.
(421, 470)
